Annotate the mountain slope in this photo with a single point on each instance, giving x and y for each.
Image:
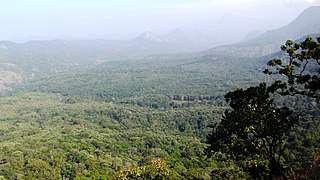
(177, 41)
(308, 22)
(150, 37)
(34, 58)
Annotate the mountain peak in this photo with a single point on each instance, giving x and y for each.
(147, 34)
(309, 17)
(252, 35)
(308, 22)
(151, 37)
(312, 8)
(310, 13)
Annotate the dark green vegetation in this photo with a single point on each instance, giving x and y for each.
(256, 131)
(138, 119)
(156, 83)
(95, 122)
(72, 113)
(301, 68)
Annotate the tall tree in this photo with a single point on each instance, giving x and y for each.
(253, 130)
(299, 70)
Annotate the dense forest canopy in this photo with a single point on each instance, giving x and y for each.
(149, 119)
(121, 110)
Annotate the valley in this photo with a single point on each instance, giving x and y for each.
(141, 108)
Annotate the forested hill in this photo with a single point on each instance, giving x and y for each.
(144, 118)
(21, 62)
(100, 110)
(154, 82)
(86, 52)
(308, 22)
(100, 122)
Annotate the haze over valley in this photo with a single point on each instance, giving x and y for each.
(159, 90)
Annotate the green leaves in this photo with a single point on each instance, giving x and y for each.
(254, 127)
(275, 62)
(157, 169)
(267, 71)
(296, 63)
(289, 42)
(257, 127)
(300, 68)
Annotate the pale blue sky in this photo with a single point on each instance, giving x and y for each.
(22, 20)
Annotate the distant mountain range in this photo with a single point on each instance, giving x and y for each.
(177, 41)
(308, 22)
(19, 62)
(22, 61)
(148, 43)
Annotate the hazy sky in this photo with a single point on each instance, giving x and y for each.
(23, 20)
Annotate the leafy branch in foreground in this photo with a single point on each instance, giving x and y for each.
(300, 67)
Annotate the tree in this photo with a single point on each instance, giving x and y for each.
(253, 131)
(300, 68)
(158, 169)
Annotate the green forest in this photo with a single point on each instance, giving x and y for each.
(214, 102)
(210, 117)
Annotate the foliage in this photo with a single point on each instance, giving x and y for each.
(155, 83)
(258, 132)
(43, 136)
(300, 68)
(158, 169)
(93, 122)
(254, 130)
(97, 121)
